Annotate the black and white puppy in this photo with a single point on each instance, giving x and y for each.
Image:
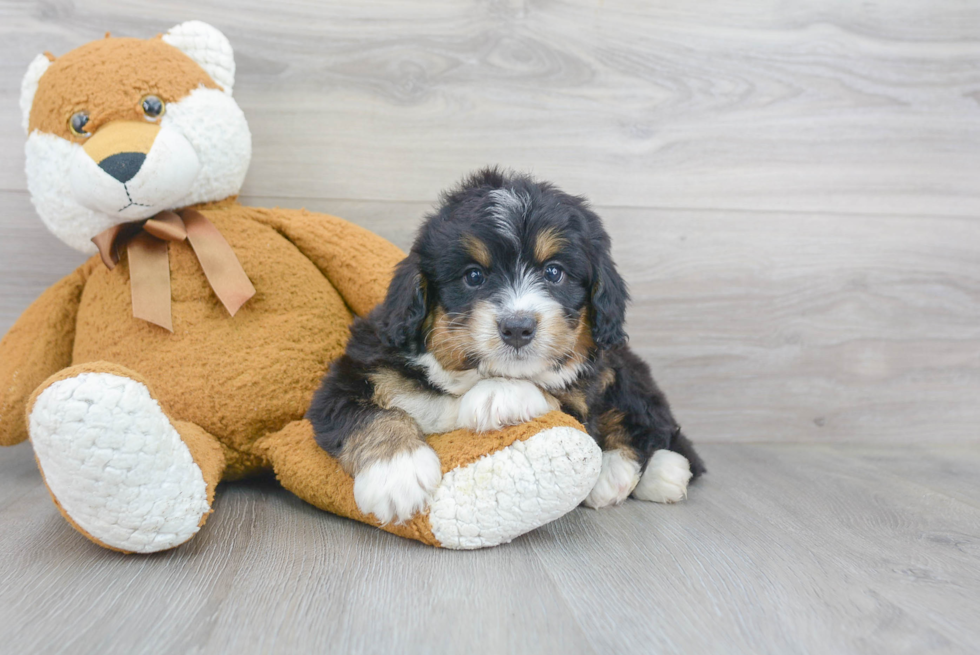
(508, 306)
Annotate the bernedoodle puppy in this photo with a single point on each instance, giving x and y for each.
(508, 306)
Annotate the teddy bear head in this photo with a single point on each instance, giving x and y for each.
(120, 129)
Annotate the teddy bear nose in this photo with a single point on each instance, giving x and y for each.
(517, 330)
(123, 166)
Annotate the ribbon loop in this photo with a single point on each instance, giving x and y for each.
(149, 262)
(166, 226)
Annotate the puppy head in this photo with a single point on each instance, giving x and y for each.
(510, 277)
(120, 129)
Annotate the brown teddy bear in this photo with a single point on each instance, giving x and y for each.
(187, 350)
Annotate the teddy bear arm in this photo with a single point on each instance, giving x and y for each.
(38, 345)
(358, 262)
(495, 486)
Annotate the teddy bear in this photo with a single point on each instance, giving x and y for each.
(186, 350)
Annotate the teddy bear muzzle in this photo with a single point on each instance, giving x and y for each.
(130, 170)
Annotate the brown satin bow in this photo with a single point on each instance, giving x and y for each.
(149, 264)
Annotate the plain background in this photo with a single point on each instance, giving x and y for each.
(793, 193)
(792, 188)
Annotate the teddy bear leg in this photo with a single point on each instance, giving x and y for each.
(495, 486)
(120, 470)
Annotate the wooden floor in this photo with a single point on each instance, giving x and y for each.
(781, 549)
(793, 193)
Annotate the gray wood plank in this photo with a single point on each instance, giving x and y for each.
(762, 106)
(760, 327)
(333, 582)
(31, 258)
(780, 549)
(767, 326)
(947, 469)
(792, 194)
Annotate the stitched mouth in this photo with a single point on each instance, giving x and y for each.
(132, 203)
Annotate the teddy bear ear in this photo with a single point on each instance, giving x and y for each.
(208, 47)
(28, 87)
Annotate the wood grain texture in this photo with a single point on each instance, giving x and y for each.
(758, 326)
(791, 191)
(793, 197)
(821, 106)
(780, 549)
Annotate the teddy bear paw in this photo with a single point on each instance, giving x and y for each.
(514, 490)
(115, 465)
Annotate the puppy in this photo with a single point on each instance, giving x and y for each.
(508, 306)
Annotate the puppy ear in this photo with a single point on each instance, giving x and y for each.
(609, 298)
(404, 307)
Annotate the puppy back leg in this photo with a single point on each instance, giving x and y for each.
(680, 444)
(636, 419)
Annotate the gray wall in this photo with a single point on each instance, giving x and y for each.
(793, 189)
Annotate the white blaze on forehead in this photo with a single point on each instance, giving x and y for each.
(509, 211)
(527, 294)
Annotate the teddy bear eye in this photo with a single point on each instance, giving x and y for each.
(77, 123)
(153, 107)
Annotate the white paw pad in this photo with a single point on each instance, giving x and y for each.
(400, 487)
(115, 464)
(666, 478)
(496, 402)
(620, 474)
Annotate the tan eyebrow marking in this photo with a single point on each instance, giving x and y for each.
(548, 244)
(477, 250)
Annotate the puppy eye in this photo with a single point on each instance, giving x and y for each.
(474, 277)
(153, 107)
(77, 123)
(553, 273)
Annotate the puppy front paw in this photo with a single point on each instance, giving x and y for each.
(491, 404)
(400, 487)
(619, 475)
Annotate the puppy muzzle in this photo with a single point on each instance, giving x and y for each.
(517, 330)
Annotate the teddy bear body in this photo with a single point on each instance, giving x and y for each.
(238, 379)
(135, 420)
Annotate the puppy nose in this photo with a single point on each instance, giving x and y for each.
(123, 166)
(517, 330)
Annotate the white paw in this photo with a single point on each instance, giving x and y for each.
(493, 403)
(400, 487)
(666, 478)
(618, 477)
(115, 464)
